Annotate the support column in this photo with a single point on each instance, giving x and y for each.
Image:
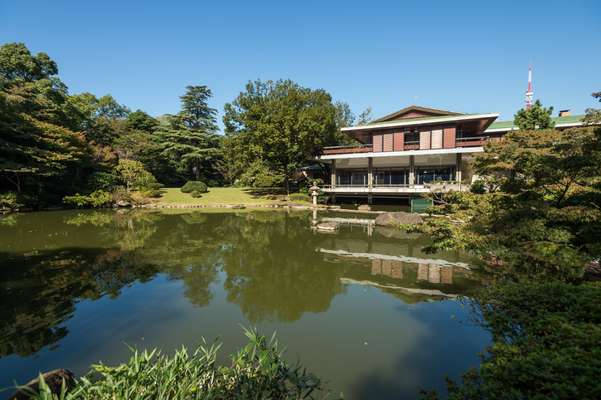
(412, 170)
(458, 168)
(333, 180)
(370, 179)
(333, 174)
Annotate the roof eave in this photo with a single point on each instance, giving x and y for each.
(425, 121)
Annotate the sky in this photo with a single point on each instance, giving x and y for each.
(464, 56)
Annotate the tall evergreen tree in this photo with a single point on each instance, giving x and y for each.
(196, 113)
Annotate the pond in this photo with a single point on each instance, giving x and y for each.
(364, 308)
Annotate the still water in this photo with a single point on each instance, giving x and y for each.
(364, 308)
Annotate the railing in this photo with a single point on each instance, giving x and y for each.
(470, 141)
(411, 146)
(466, 141)
(365, 148)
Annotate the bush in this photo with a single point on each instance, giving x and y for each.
(300, 197)
(478, 187)
(257, 371)
(545, 343)
(98, 198)
(102, 180)
(258, 175)
(196, 194)
(9, 200)
(194, 186)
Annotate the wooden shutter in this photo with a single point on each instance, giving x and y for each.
(436, 139)
(424, 140)
(449, 138)
(377, 142)
(399, 141)
(387, 142)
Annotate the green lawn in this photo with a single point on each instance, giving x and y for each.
(221, 195)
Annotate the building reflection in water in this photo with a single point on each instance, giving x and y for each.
(391, 258)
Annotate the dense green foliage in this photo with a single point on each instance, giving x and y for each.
(55, 145)
(545, 343)
(194, 186)
(593, 115)
(535, 221)
(257, 371)
(277, 127)
(541, 215)
(96, 199)
(535, 117)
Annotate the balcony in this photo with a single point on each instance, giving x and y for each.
(460, 142)
(471, 141)
(364, 148)
(359, 189)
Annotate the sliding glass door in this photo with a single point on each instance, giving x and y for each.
(392, 177)
(351, 178)
(434, 174)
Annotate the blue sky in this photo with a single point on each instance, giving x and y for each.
(466, 56)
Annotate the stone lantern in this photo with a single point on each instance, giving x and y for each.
(314, 190)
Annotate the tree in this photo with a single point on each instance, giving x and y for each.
(102, 119)
(535, 117)
(364, 117)
(185, 153)
(134, 175)
(17, 63)
(593, 115)
(280, 123)
(545, 217)
(139, 120)
(344, 118)
(39, 148)
(196, 113)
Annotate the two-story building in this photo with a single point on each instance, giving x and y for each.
(408, 152)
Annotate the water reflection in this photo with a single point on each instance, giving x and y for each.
(271, 266)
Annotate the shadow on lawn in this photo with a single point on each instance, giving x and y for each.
(270, 193)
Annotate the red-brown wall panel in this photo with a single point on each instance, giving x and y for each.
(449, 138)
(387, 143)
(399, 141)
(377, 142)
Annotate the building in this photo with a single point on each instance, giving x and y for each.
(408, 152)
(565, 120)
(416, 150)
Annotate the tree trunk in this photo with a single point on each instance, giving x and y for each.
(286, 181)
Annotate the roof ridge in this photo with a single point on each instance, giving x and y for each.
(414, 107)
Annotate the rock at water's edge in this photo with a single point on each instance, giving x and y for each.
(398, 218)
(54, 380)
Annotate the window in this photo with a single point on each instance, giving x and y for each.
(427, 175)
(411, 137)
(394, 177)
(351, 178)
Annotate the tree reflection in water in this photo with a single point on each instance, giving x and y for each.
(270, 263)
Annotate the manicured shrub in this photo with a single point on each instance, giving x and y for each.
(257, 371)
(194, 186)
(98, 198)
(300, 197)
(478, 187)
(196, 194)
